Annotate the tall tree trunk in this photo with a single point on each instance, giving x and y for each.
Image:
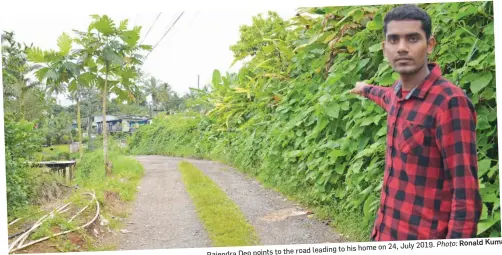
(105, 129)
(79, 129)
(22, 103)
(89, 128)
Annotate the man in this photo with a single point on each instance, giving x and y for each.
(430, 188)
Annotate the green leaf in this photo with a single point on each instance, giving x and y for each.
(376, 47)
(382, 131)
(333, 110)
(483, 166)
(130, 37)
(104, 25)
(490, 198)
(480, 81)
(335, 153)
(35, 55)
(357, 15)
(378, 20)
(41, 73)
(375, 24)
(367, 121)
(363, 63)
(51, 74)
(268, 49)
(484, 213)
(395, 76)
(488, 29)
(123, 24)
(111, 56)
(466, 11)
(386, 79)
(367, 205)
(484, 225)
(216, 77)
(64, 44)
(73, 86)
(72, 68)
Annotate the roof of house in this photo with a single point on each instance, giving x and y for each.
(110, 118)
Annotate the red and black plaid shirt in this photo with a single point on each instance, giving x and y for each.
(430, 188)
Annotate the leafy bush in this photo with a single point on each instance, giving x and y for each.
(287, 118)
(21, 144)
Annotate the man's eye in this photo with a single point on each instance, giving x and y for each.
(413, 39)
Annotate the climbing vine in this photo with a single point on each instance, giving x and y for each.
(287, 118)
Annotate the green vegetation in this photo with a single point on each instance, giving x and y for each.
(113, 193)
(54, 152)
(37, 128)
(21, 143)
(123, 182)
(87, 66)
(287, 119)
(222, 218)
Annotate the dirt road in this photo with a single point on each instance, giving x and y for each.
(164, 215)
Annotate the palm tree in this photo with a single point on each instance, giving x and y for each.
(151, 88)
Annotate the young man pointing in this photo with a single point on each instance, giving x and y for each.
(430, 187)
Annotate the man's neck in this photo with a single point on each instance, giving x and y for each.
(411, 81)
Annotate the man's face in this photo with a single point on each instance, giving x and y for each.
(406, 46)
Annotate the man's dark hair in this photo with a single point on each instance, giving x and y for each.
(409, 12)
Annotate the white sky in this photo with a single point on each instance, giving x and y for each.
(196, 45)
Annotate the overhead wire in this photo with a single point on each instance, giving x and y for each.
(151, 26)
(164, 35)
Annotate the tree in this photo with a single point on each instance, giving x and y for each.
(19, 89)
(62, 72)
(110, 53)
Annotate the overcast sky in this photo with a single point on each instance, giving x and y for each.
(196, 45)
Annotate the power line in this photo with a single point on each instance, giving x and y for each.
(153, 24)
(164, 35)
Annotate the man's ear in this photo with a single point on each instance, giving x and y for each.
(383, 49)
(431, 44)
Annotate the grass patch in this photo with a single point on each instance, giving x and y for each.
(56, 152)
(57, 148)
(222, 218)
(114, 194)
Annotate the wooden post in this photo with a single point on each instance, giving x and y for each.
(67, 174)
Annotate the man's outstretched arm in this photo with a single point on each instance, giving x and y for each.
(377, 94)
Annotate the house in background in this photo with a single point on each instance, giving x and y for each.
(120, 123)
(132, 123)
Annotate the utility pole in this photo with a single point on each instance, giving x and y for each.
(198, 79)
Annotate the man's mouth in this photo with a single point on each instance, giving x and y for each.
(403, 60)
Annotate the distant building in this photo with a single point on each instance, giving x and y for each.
(120, 123)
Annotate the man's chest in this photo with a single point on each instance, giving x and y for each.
(411, 126)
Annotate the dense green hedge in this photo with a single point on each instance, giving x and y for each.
(286, 116)
(21, 144)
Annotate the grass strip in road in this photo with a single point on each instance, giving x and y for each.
(222, 218)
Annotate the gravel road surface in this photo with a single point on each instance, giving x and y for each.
(164, 215)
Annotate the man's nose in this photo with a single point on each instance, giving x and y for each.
(402, 46)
